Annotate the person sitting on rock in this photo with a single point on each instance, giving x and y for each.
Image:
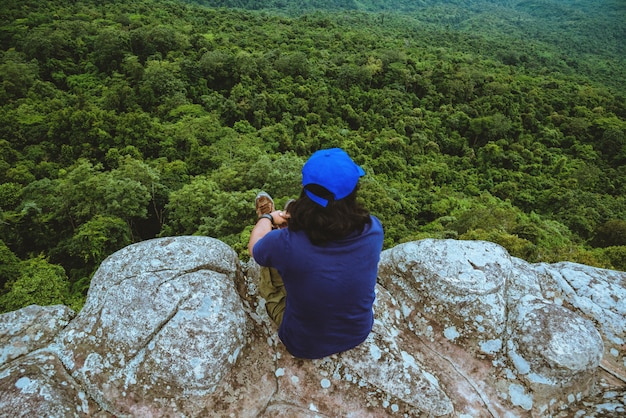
(319, 259)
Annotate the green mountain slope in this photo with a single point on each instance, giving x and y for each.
(122, 121)
(585, 36)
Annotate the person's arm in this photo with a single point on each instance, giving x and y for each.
(263, 226)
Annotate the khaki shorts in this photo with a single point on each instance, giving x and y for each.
(272, 289)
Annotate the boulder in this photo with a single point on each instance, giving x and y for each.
(175, 327)
(38, 385)
(162, 326)
(596, 294)
(459, 287)
(30, 328)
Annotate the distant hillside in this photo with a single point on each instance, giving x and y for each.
(587, 36)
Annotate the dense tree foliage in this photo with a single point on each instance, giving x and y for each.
(122, 121)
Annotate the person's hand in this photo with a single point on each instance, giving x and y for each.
(281, 218)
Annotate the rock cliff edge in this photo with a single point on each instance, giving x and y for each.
(174, 327)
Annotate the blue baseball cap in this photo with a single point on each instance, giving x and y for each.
(332, 169)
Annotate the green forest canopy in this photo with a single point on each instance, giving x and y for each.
(127, 120)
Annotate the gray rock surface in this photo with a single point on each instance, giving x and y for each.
(30, 329)
(174, 327)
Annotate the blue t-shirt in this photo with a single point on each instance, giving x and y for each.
(330, 288)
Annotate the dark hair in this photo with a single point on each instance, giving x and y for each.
(336, 221)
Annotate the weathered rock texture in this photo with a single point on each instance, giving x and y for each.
(174, 327)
